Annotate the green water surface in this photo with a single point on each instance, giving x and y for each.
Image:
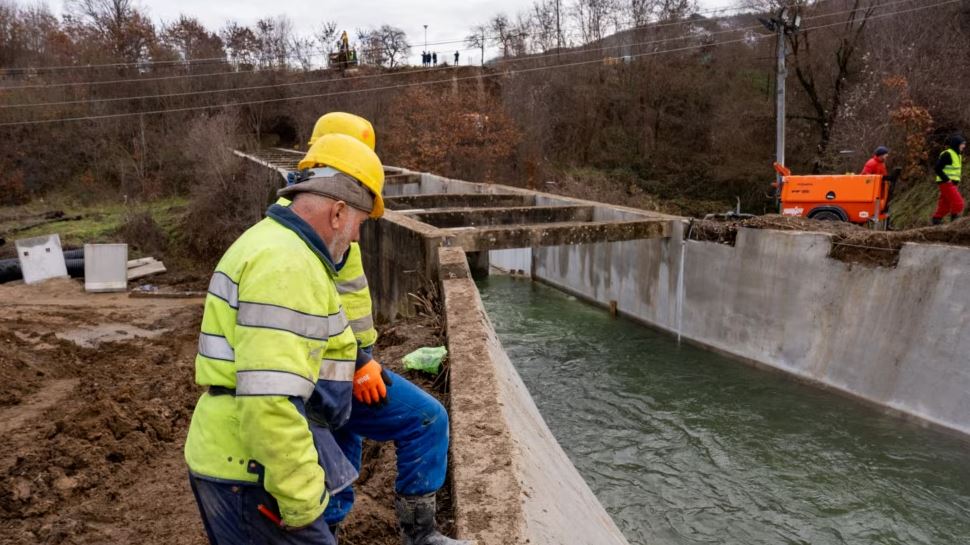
(685, 446)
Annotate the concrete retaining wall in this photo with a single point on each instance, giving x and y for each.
(512, 482)
(898, 338)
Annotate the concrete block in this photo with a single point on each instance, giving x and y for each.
(105, 267)
(41, 258)
(148, 269)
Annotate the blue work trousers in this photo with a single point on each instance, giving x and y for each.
(231, 516)
(418, 425)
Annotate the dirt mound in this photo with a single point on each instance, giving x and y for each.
(850, 243)
(94, 435)
(71, 475)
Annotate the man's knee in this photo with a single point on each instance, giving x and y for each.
(436, 418)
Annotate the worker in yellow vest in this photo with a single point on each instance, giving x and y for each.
(949, 169)
(278, 359)
(397, 411)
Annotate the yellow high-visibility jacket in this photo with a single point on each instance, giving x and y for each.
(354, 293)
(954, 170)
(275, 347)
(355, 296)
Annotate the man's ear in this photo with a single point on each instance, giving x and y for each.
(338, 213)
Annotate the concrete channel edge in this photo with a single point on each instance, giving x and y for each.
(512, 482)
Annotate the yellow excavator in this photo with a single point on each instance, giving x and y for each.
(345, 57)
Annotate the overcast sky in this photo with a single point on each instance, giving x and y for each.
(447, 20)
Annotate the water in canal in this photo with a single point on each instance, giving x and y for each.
(685, 446)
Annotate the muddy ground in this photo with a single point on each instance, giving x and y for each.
(96, 397)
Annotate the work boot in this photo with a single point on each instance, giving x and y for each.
(937, 221)
(954, 217)
(416, 514)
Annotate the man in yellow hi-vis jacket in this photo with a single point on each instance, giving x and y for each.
(278, 357)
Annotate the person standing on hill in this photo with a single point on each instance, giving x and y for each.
(948, 171)
(877, 163)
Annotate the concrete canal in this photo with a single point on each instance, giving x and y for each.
(685, 446)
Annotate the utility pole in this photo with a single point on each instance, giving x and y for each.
(425, 37)
(784, 24)
(558, 30)
(781, 73)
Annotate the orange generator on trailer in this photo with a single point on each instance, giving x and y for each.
(854, 198)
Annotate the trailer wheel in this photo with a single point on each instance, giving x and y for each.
(828, 213)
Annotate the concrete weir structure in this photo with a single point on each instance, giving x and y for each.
(893, 337)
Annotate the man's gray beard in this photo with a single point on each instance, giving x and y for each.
(339, 246)
(338, 249)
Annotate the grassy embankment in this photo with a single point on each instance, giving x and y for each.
(94, 223)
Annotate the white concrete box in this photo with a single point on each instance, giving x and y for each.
(105, 267)
(41, 258)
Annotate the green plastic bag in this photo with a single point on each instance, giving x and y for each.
(426, 358)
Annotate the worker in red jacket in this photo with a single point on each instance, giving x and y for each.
(877, 163)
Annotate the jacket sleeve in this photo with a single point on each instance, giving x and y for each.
(941, 163)
(280, 337)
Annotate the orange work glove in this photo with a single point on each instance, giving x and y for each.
(369, 384)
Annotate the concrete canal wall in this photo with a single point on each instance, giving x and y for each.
(896, 337)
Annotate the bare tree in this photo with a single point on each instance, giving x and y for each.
(674, 10)
(241, 44)
(191, 40)
(542, 23)
(302, 50)
(386, 46)
(478, 39)
(126, 31)
(326, 35)
(596, 18)
(823, 69)
(506, 34)
(275, 38)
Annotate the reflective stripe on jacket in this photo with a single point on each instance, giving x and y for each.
(274, 332)
(355, 296)
(953, 171)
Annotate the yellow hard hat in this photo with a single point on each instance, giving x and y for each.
(353, 158)
(344, 123)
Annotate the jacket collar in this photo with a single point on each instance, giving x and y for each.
(289, 219)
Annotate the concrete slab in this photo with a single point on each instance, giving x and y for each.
(41, 258)
(105, 267)
(148, 269)
(474, 239)
(467, 217)
(454, 200)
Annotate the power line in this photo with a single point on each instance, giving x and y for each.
(367, 76)
(576, 51)
(226, 61)
(356, 91)
(447, 80)
(179, 62)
